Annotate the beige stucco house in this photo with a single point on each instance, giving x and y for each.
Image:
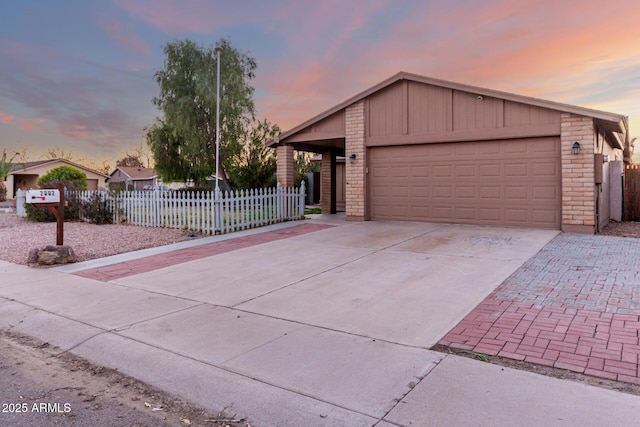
(25, 176)
(423, 149)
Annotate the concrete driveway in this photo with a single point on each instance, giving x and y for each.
(406, 283)
(328, 328)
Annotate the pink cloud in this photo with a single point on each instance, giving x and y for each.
(523, 47)
(75, 130)
(128, 40)
(23, 123)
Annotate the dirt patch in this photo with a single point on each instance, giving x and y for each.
(34, 372)
(622, 229)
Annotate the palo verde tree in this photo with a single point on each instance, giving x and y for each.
(183, 138)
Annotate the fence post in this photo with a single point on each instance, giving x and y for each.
(278, 202)
(302, 197)
(21, 197)
(217, 211)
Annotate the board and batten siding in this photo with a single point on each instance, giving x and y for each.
(414, 113)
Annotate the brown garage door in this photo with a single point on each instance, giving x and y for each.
(509, 182)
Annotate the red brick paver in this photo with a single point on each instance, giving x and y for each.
(575, 306)
(155, 262)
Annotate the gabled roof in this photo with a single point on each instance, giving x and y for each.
(609, 122)
(136, 173)
(25, 167)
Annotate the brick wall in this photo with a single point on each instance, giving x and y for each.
(578, 191)
(285, 165)
(355, 171)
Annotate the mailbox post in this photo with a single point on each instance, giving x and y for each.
(53, 201)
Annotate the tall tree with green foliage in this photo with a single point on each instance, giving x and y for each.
(255, 165)
(183, 139)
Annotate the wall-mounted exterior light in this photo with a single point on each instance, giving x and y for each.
(575, 148)
(352, 158)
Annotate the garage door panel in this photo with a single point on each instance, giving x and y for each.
(518, 169)
(465, 170)
(489, 170)
(465, 213)
(549, 192)
(442, 192)
(513, 192)
(540, 169)
(465, 192)
(515, 182)
(490, 214)
(490, 193)
(515, 216)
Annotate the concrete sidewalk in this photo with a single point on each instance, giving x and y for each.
(328, 328)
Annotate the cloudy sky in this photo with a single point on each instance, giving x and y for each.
(78, 74)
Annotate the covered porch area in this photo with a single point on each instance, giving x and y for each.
(325, 136)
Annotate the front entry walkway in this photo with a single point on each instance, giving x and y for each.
(575, 305)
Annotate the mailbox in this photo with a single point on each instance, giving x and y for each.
(43, 196)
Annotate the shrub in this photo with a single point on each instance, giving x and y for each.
(97, 210)
(38, 214)
(65, 174)
(71, 212)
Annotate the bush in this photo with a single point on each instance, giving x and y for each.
(38, 214)
(65, 174)
(71, 212)
(97, 210)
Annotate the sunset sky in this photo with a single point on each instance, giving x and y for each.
(78, 74)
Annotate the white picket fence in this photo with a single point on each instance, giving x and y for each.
(21, 197)
(200, 211)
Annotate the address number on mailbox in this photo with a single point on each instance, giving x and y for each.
(43, 196)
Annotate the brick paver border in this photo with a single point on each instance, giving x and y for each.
(574, 305)
(155, 262)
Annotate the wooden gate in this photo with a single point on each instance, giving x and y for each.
(632, 193)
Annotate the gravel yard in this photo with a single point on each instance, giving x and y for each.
(18, 236)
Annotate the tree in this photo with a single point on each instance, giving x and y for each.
(5, 168)
(61, 153)
(255, 165)
(129, 161)
(78, 179)
(183, 139)
(140, 157)
(301, 166)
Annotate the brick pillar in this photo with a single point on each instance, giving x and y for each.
(285, 165)
(578, 180)
(328, 182)
(355, 172)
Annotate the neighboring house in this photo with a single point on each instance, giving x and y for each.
(132, 178)
(422, 149)
(25, 175)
